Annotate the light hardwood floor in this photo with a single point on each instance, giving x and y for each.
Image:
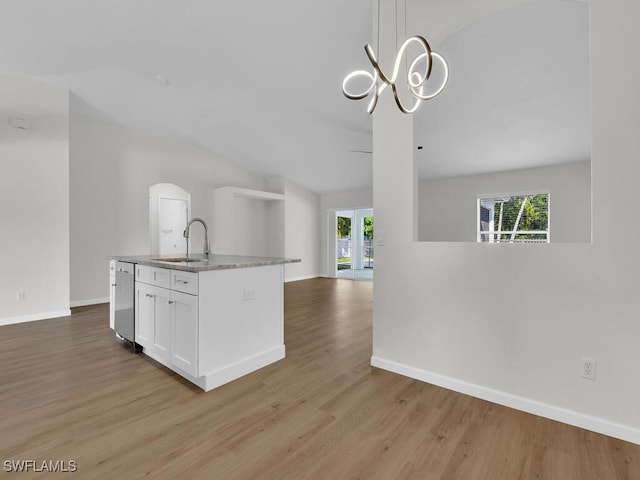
(70, 391)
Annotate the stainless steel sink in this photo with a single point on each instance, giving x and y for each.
(179, 259)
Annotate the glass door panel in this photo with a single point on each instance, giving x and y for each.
(354, 244)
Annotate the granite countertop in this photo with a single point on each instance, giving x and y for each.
(215, 261)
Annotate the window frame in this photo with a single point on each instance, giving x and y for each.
(521, 193)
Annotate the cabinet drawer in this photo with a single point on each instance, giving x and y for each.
(153, 276)
(125, 267)
(186, 282)
(144, 274)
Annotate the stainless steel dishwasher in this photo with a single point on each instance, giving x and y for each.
(124, 300)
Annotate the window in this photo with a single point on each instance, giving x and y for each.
(516, 218)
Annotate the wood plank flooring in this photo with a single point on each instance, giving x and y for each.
(70, 391)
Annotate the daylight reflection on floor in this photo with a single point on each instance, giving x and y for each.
(356, 274)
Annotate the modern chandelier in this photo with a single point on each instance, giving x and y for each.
(416, 77)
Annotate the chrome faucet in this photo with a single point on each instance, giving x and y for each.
(206, 251)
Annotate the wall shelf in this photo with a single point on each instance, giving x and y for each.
(249, 193)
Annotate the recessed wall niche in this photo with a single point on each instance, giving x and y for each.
(515, 118)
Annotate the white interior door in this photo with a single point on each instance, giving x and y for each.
(169, 209)
(172, 220)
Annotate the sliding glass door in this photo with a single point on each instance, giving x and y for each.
(354, 244)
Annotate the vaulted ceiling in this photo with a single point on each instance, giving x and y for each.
(257, 83)
(518, 96)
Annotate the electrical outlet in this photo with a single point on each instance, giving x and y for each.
(249, 294)
(20, 296)
(589, 368)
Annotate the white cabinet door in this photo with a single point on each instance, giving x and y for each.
(145, 314)
(162, 321)
(184, 332)
(167, 323)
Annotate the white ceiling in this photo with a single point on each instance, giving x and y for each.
(258, 83)
(518, 94)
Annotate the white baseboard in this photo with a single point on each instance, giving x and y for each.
(244, 367)
(91, 301)
(552, 412)
(305, 277)
(34, 317)
(228, 373)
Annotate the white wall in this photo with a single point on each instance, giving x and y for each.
(329, 203)
(448, 207)
(247, 222)
(433, 318)
(347, 200)
(111, 170)
(243, 226)
(34, 201)
(302, 231)
(286, 227)
(301, 228)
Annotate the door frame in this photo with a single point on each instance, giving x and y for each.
(331, 266)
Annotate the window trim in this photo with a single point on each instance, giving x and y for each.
(519, 193)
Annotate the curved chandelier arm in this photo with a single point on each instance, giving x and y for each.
(364, 93)
(415, 80)
(427, 54)
(374, 98)
(417, 91)
(401, 106)
(374, 63)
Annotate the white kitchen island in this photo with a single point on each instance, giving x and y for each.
(211, 321)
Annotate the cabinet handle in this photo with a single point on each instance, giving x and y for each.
(113, 284)
(148, 295)
(170, 302)
(184, 282)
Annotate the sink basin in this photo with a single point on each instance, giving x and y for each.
(179, 259)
